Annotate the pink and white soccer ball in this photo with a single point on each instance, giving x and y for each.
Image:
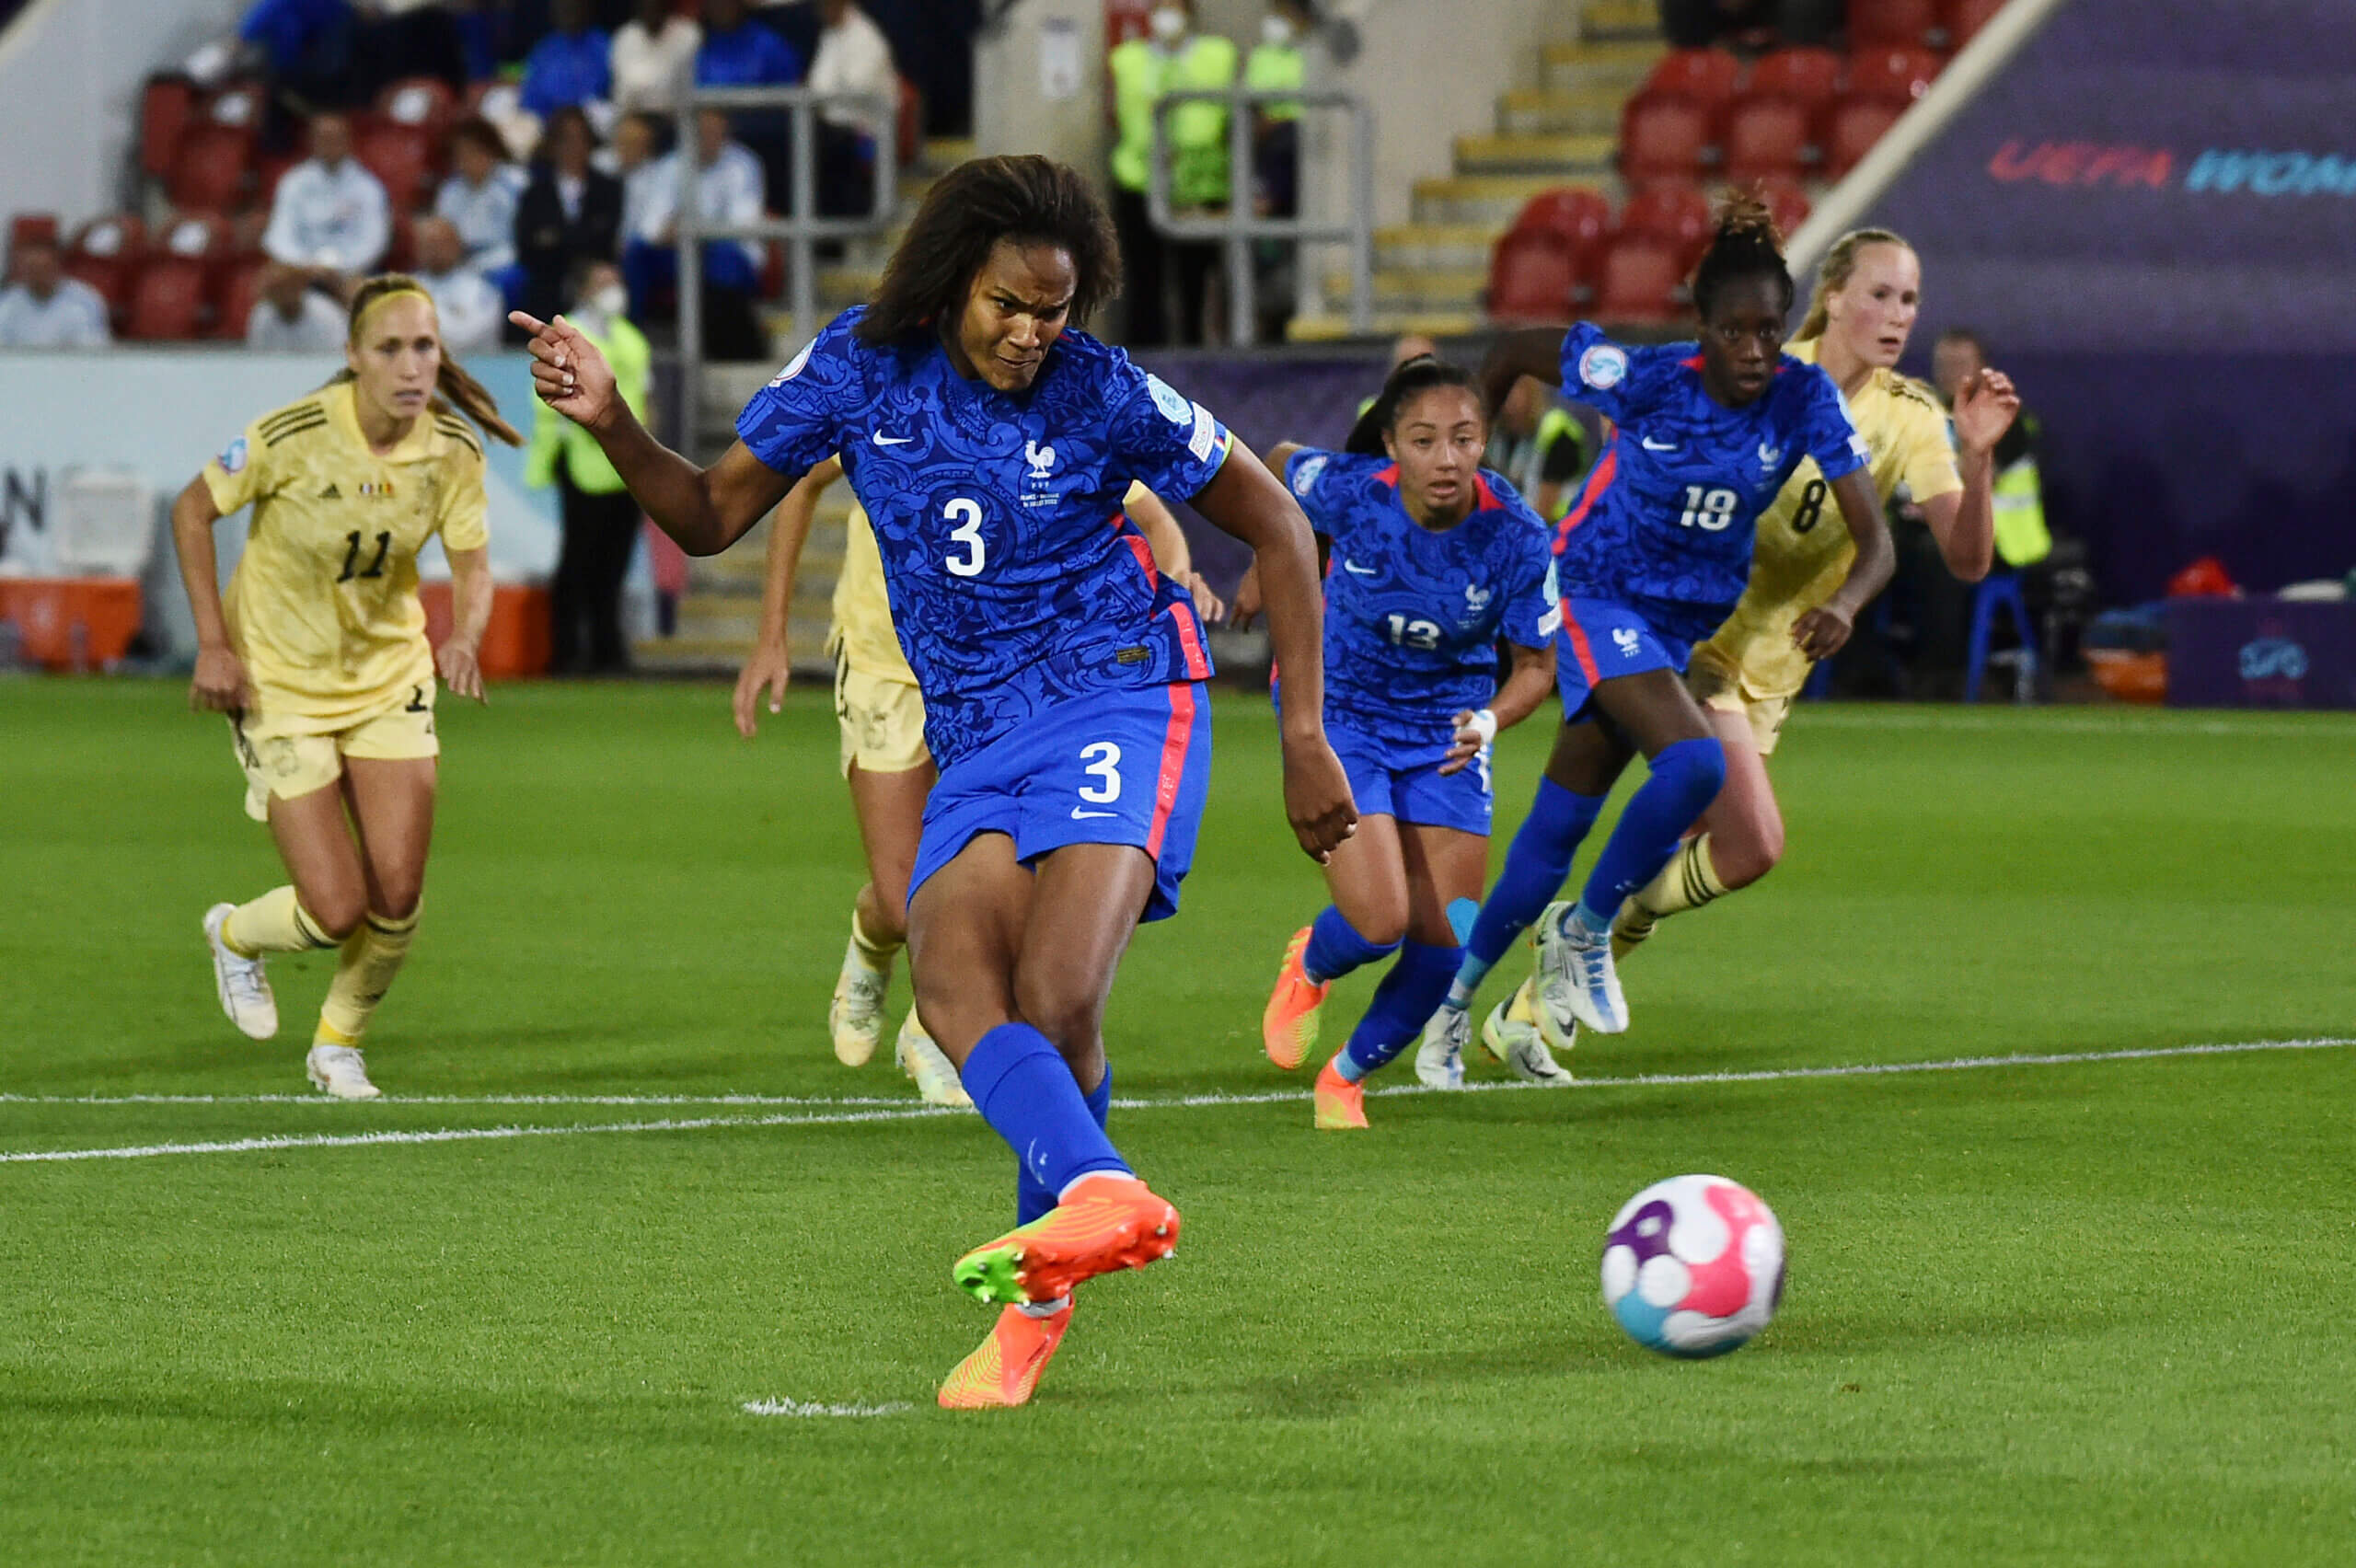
(1693, 1266)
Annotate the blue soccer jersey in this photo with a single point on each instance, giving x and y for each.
(1016, 582)
(1413, 616)
(1665, 520)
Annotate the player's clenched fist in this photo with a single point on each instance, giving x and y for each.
(568, 372)
(1317, 798)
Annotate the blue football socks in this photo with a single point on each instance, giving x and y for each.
(1023, 1087)
(1535, 866)
(1033, 1198)
(1686, 777)
(1403, 1003)
(1335, 947)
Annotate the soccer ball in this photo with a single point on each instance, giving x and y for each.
(1693, 1266)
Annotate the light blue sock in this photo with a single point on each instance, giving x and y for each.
(1686, 778)
(1335, 947)
(1402, 1004)
(1535, 866)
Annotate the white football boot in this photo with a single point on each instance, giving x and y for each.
(855, 1018)
(1439, 1060)
(936, 1076)
(338, 1070)
(242, 986)
(1577, 983)
(1510, 1035)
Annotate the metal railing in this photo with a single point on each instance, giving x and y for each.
(800, 231)
(1240, 225)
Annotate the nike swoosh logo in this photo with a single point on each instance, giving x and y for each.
(1652, 445)
(1078, 815)
(1355, 569)
(882, 440)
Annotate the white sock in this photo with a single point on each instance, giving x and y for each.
(1044, 1308)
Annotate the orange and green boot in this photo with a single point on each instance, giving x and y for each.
(1106, 1221)
(1289, 1026)
(1006, 1368)
(1341, 1104)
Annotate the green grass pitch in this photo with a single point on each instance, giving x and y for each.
(2080, 1312)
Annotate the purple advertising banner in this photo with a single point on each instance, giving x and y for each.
(2261, 652)
(2150, 215)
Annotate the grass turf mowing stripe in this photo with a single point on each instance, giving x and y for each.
(1267, 1097)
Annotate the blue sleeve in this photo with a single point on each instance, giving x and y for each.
(1309, 474)
(1828, 432)
(1531, 616)
(1594, 370)
(784, 66)
(539, 93)
(1159, 435)
(796, 421)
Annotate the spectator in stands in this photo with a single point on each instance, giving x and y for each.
(729, 190)
(331, 215)
(651, 50)
(737, 53)
(291, 316)
(479, 196)
(573, 65)
(2025, 542)
(601, 517)
(645, 175)
(1174, 59)
(471, 309)
(1698, 24)
(1538, 446)
(852, 57)
(46, 309)
(569, 213)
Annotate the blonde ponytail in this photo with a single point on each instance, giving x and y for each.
(455, 391)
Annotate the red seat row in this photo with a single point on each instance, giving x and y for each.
(204, 148)
(1568, 254)
(1798, 110)
(194, 276)
(1937, 24)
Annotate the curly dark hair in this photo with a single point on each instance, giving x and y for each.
(1746, 245)
(1408, 381)
(1027, 199)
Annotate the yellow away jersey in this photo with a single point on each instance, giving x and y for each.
(323, 607)
(1802, 550)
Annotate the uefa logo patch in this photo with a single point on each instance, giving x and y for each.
(1305, 475)
(794, 368)
(233, 461)
(1603, 366)
(1175, 406)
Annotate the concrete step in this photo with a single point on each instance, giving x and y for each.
(942, 153)
(839, 288)
(1591, 111)
(1572, 67)
(1436, 289)
(1435, 245)
(1495, 199)
(1536, 154)
(1387, 324)
(1620, 21)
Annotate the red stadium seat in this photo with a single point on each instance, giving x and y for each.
(168, 303)
(239, 106)
(1963, 19)
(268, 173)
(1809, 77)
(1531, 277)
(1906, 24)
(1706, 77)
(166, 107)
(210, 173)
(1674, 215)
(1663, 138)
(1642, 280)
(234, 292)
(400, 155)
(910, 125)
(203, 238)
(105, 254)
(400, 246)
(30, 227)
(1852, 131)
(1578, 220)
(1766, 136)
(1893, 75)
(1786, 201)
(425, 102)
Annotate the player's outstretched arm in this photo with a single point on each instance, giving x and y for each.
(1820, 632)
(459, 659)
(1246, 501)
(1529, 678)
(705, 510)
(219, 684)
(1534, 351)
(768, 667)
(1963, 522)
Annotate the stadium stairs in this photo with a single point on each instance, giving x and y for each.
(1429, 275)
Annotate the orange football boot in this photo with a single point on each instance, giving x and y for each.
(1106, 1221)
(1005, 1370)
(1341, 1104)
(1289, 1026)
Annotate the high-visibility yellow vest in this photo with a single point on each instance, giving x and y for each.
(1272, 67)
(1141, 75)
(2021, 536)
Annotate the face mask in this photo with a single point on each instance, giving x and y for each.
(1169, 24)
(613, 299)
(1276, 31)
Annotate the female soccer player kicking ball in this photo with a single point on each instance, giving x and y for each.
(1748, 673)
(885, 760)
(1649, 561)
(1433, 563)
(318, 654)
(1062, 674)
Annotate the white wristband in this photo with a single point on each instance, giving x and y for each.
(1484, 725)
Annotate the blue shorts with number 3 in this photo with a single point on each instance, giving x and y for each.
(1111, 767)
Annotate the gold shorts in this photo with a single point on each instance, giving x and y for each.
(883, 721)
(286, 758)
(1718, 686)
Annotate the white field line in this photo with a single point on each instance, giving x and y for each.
(2116, 722)
(904, 1111)
(797, 1407)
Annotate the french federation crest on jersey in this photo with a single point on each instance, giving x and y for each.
(1305, 477)
(1041, 458)
(1603, 366)
(793, 367)
(233, 461)
(1769, 455)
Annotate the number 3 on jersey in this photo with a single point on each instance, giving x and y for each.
(1708, 510)
(967, 517)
